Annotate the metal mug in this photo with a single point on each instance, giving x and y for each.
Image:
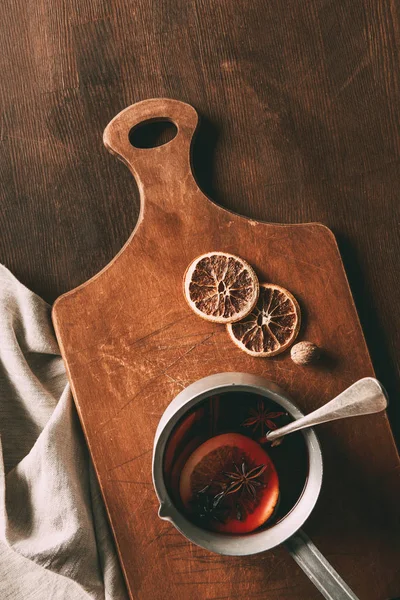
(286, 530)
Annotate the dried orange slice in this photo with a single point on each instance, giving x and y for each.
(221, 287)
(272, 326)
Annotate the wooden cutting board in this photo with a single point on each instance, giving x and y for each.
(131, 344)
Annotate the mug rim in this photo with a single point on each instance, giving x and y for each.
(243, 544)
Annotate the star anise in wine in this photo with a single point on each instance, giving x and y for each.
(243, 480)
(261, 417)
(206, 506)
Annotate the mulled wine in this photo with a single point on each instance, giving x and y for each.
(222, 473)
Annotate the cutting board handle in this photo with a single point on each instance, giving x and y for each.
(169, 162)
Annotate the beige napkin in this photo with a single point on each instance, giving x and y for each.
(55, 542)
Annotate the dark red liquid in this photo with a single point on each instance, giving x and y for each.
(230, 412)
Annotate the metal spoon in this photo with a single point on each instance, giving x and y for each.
(364, 397)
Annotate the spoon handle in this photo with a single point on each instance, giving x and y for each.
(364, 397)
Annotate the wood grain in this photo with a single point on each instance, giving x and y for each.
(299, 109)
(131, 343)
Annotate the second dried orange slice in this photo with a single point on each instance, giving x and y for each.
(221, 287)
(272, 326)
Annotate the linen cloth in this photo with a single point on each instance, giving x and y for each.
(55, 542)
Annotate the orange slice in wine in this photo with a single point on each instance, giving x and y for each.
(229, 484)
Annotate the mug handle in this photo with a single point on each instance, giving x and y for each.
(317, 568)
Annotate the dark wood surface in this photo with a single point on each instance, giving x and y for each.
(131, 344)
(300, 123)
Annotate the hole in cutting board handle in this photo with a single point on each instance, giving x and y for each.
(152, 133)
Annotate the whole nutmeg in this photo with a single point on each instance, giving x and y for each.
(305, 353)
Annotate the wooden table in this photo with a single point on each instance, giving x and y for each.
(300, 123)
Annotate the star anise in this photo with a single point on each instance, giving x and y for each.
(206, 506)
(243, 480)
(261, 417)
